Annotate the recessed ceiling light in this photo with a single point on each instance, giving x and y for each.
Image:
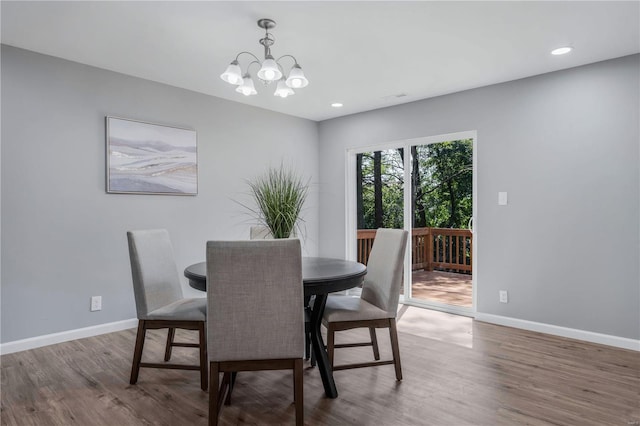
(336, 105)
(561, 50)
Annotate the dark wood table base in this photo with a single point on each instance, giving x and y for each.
(319, 351)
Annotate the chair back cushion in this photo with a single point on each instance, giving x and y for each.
(156, 282)
(255, 300)
(384, 270)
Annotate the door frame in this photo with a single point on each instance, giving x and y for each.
(351, 214)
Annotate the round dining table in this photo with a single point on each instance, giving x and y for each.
(320, 276)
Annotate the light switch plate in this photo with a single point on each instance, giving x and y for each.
(502, 198)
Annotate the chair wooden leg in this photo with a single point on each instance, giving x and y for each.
(137, 352)
(313, 355)
(214, 387)
(307, 328)
(232, 382)
(203, 357)
(170, 335)
(395, 347)
(330, 343)
(308, 352)
(298, 391)
(307, 345)
(374, 343)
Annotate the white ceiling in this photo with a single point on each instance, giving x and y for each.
(362, 54)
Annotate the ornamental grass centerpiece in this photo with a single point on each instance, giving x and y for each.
(279, 195)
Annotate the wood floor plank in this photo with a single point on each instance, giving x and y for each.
(503, 376)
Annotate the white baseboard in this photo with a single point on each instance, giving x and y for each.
(572, 333)
(65, 336)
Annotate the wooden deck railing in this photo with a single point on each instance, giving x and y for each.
(431, 248)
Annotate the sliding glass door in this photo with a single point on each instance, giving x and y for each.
(427, 187)
(379, 186)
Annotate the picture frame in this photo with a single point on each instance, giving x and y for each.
(150, 158)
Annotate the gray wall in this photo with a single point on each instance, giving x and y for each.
(565, 147)
(63, 237)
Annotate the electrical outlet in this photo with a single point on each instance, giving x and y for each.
(502, 198)
(504, 297)
(96, 303)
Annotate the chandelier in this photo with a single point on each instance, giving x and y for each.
(270, 69)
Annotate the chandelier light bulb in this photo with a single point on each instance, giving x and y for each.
(296, 78)
(233, 74)
(269, 70)
(247, 88)
(283, 90)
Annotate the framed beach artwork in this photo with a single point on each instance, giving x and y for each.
(146, 158)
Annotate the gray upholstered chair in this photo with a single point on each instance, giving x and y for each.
(254, 292)
(160, 303)
(263, 233)
(260, 233)
(377, 305)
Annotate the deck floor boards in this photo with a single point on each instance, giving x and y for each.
(443, 287)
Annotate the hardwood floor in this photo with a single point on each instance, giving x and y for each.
(493, 376)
